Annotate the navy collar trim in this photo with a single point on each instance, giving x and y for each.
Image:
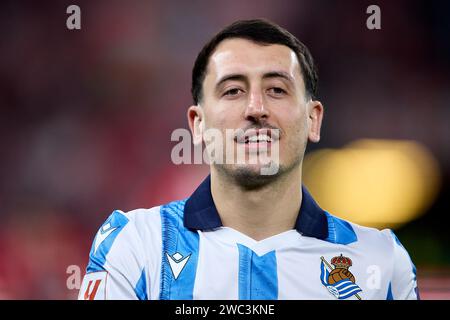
(200, 213)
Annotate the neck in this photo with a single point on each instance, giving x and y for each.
(261, 213)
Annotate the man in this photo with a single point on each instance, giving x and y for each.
(244, 234)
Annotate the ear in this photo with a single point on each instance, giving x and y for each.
(196, 123)
(315, 111)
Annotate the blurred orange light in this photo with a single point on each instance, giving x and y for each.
(377, 183)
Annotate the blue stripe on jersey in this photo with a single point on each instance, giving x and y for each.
(414, 270)
(416, 289)
(177, 239)
(340, 231)
(258, 278)
(141, 287)
(396, 239)
(97, 258)
(389, 293)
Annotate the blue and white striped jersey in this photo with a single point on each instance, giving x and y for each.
(181, 251)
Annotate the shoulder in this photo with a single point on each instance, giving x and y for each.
(147, 223)
(383, 237)
(341, 231)
(143, 219)
(149, 218)
(147, 215)
(345, 232)
(136, 231)
(378, 245)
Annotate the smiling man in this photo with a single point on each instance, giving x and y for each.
(245, 234)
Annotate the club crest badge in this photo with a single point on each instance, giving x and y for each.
(339, 281)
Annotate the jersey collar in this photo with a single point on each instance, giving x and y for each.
(200, 213)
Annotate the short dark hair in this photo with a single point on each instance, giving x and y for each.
(263, 32)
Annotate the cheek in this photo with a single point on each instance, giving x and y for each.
(221, 119)
(296, 137)
(296, 126)
(215, 122)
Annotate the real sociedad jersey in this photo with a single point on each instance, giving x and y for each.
(181, 251)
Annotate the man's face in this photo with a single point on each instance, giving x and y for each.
(258, 88)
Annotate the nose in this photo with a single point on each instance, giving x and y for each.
(256, 109)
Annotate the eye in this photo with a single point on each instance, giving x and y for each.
(277, 91)
(232, 92)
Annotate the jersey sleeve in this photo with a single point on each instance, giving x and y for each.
(116, 268)
(403, 285)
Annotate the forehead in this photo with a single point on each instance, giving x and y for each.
(247, 57)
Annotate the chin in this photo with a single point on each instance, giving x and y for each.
(249, 176)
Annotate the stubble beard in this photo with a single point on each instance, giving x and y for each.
(250, 178)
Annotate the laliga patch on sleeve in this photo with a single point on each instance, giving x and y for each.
(93, 286)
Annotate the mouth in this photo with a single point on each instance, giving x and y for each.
(257, 136)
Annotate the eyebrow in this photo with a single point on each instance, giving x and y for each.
(241, 77)
(279, 74)
(234, 76)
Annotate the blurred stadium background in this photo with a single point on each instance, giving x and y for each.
(86, 118)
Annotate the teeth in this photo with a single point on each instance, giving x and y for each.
(260, 138)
